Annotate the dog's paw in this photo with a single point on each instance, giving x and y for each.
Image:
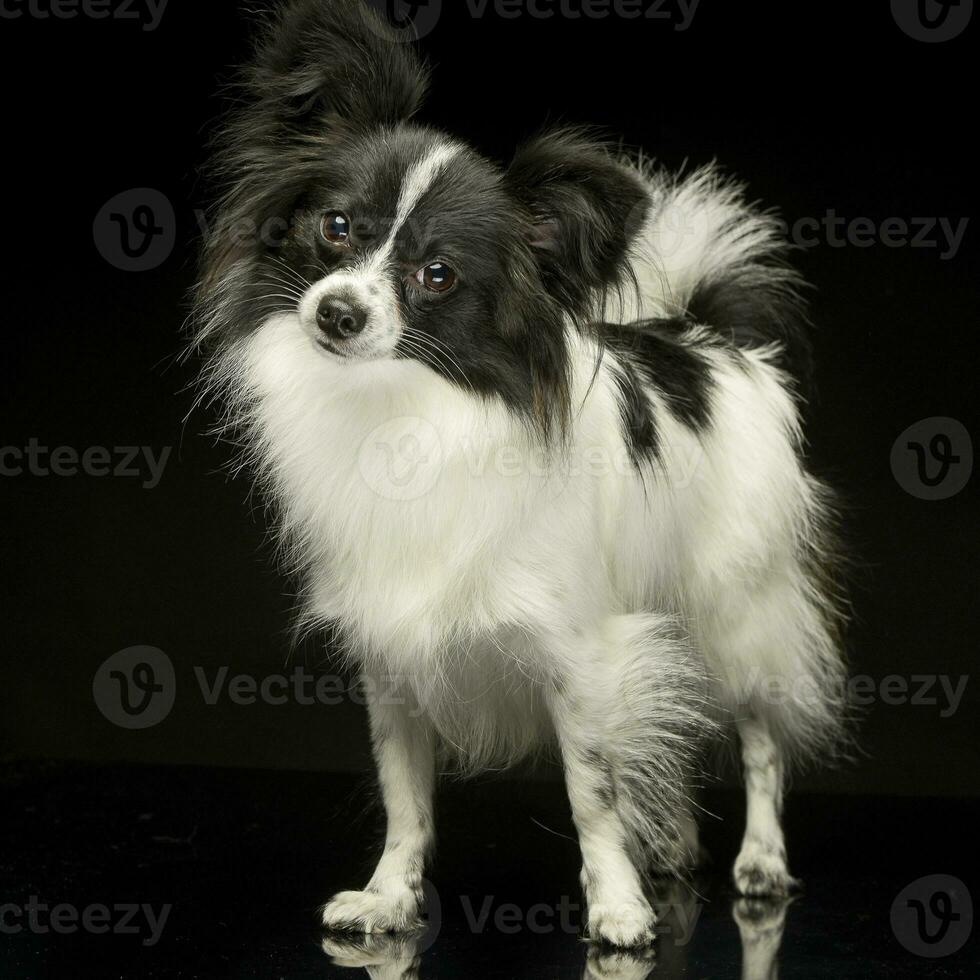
(373, 912)
(760, 872)
(625, 925)
(603, 964)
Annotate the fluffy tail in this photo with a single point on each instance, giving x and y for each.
(655, 728)
(707, 254)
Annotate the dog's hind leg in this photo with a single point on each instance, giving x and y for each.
(626, 709)
(618, 912)
(760, 869)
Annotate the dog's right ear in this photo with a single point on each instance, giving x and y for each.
(323, 64)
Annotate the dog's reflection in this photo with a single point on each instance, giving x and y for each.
(761, 922)
(387, 957)
(382, 955)
(760, 925)
(607, 964)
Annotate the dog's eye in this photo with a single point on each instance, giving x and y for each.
(438, 277)
(335, 228)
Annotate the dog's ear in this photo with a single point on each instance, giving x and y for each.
(320, 63)
(584, 209)
(322, 72)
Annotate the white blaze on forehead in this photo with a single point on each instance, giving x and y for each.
(418, 179)
(368, 283)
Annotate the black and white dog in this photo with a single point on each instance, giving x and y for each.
(532, 436)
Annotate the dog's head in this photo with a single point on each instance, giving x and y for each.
(388, 239)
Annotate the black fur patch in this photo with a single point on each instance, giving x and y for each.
(606, 789)
(756, 313)
(656, 352)
(636, 410)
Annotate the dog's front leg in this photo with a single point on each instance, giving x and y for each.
(404, 754)
(618, 912)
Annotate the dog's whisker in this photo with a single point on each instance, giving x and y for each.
(426, 358)
(277, 296)
(301, 280)
(442, 351)
(282, 284)
(433, 358)
(437, 344)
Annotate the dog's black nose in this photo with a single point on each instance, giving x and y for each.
(339, 319)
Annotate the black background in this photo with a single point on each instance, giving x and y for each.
(817, 105)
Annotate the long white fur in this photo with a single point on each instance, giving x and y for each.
(521, 595)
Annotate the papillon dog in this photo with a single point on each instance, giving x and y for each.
(531, 435)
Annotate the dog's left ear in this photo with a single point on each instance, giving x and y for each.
(322, 63)
(584, 209)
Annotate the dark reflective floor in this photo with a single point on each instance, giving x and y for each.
(192, 873)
